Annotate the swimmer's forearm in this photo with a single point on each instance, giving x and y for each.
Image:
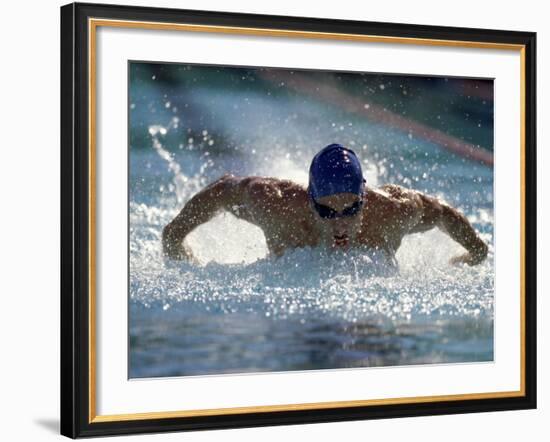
(177, 230)
(478, 251)
(460, 229)
(172, 241)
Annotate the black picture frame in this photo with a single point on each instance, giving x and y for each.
(75, 221)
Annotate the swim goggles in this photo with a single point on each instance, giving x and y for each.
(329, 213)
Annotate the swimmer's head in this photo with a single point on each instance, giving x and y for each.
(335, 190)
(335, 169)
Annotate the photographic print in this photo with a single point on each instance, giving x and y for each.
(288, 219)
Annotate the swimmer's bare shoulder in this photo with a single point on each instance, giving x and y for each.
(252, 198)
(259, 188)
(278, 206)
(391, 204)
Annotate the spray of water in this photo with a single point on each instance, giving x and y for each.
(237, 275)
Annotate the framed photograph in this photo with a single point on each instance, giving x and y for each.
(273, 220)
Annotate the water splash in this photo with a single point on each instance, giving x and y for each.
(182, 185)
(237, 275)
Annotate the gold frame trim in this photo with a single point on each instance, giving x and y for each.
(92, 28)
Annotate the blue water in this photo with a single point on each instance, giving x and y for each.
(237, 310)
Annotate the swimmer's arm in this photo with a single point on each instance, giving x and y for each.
(455, 224)
(198, 210)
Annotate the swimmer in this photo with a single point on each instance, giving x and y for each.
(337, 210)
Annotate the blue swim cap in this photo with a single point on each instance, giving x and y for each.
(335, 169)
